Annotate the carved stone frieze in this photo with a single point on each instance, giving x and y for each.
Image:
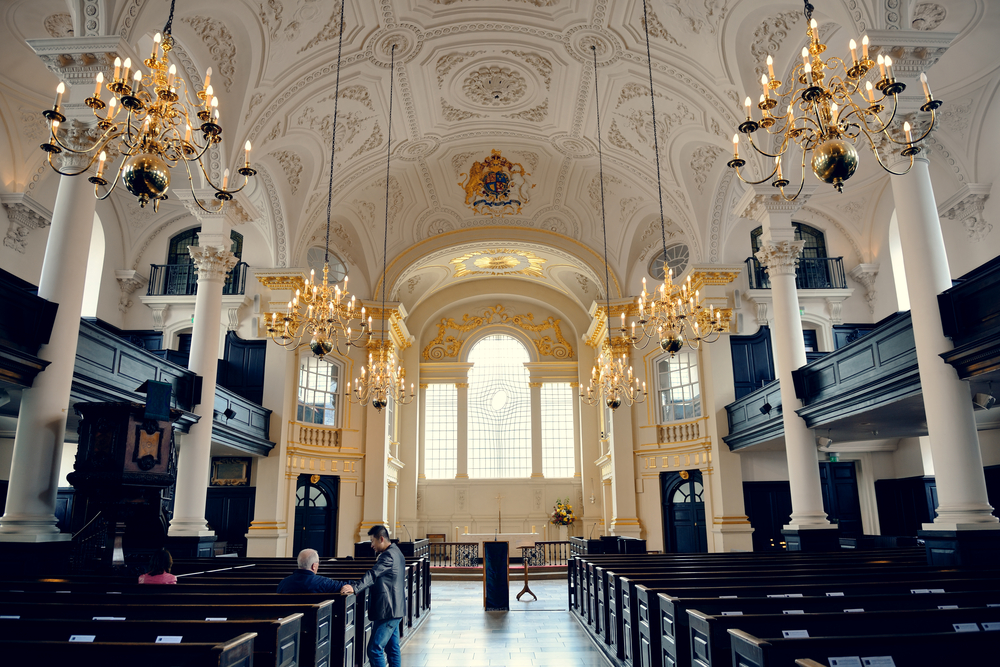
(77, 60)
(448, 346)
(866, 275)
(217, 38)
(291, 164)
(912, 51)
(494, 85)
(702, 162)
(656, 29)
(129, 280)
(927, 16)
(769, 36)
(23, 215)
(966, 207)
(535, 114)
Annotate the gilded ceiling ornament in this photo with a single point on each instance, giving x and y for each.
(498, 262)
(443, 347)
(496, 186)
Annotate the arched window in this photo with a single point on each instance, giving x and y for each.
(178, 253)
(499, 409)
(319, 391)
(179, 276)
(815, 240)
(314, 260)
(813, 270)
(678, 387)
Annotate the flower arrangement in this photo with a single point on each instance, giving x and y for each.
(562, 513)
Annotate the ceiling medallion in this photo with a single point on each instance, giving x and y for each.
(498, 262)
(496, 186)
(495, 86)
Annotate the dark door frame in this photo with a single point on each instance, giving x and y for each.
(669, 483)
(329, 485)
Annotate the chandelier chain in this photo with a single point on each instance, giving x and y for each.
(170, 19)
(600, 164)
(388, 157)
(333, 148)
(656, 144)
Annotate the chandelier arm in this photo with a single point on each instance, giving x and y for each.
(101, 141)
(763, 180)
(930, 127)
(878, 158)
(797, 192)
(68, 173)
(763, 152)
(114, 183)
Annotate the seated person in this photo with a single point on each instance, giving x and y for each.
(305, 579)
(159, 569)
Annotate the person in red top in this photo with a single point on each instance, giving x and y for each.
(159, 569)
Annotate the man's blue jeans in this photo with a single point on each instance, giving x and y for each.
(384, 644)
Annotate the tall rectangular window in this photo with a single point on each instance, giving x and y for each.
(499, 409)
(680, 396)
(319, 393)
(441, 431)
(557, 430)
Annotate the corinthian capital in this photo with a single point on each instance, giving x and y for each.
(212, 263)
(780, 258)
(24, 215)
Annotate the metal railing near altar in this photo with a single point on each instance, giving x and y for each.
(810, 273)
(454, 554)
(466, 554)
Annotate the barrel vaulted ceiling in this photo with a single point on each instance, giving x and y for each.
(515, 76)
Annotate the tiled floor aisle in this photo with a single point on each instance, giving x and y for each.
(536, 634)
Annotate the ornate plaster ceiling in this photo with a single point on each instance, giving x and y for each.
(473, 76)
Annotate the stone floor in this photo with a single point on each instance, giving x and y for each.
(532, 634)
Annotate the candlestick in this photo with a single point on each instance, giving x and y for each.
(60, 89)
(864, 47)
(99, 79)
(854, 52)
(770, 67)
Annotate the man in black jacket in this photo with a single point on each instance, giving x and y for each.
(388, 605)
(305, 579)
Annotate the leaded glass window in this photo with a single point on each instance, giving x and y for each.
(440, 431)
(678, 387)
(319, 394)
(557, 430)
(499, 409)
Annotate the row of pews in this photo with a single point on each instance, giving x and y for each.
(223, 613)
(786, 609)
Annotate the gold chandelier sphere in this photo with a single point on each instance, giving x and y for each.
(671, 343)
(320, 346)
(146, 176)
(834, 161)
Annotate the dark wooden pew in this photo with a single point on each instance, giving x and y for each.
(710, 638)
(276, 643)
(918, 650)
(662, 624)
(237, 652)
(326, 639)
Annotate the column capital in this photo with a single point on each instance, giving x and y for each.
(24, 214)
(77, 60)
(780, 258)
(966, 206)
(212, 263)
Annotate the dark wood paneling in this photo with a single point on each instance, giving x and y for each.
(242, 368)
(753, 361)
(229, 511)
(905, 504)
(839, 483)
(769, 507)
(748, 425)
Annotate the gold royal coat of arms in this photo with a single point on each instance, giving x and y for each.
(496, 186)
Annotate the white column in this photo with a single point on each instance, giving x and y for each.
(376, 476)
(195, 454)
(41, 423)
(625, 518)
(954, 443)
(421, 459)
(577, 449)
(463, 430)
(535, 388)
(779, 254)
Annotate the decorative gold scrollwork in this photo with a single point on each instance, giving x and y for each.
(447, 346)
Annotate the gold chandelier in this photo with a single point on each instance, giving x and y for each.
(674, 314)
(382, 379)
(828, 109)
(322, 311)
(611, 380)
(149, 120)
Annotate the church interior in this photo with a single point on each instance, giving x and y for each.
(489, 180)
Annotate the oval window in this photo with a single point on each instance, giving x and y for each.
(499, 400)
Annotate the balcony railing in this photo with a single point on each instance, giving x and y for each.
(811, 273)
(182, 280)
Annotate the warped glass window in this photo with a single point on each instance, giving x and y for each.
(318, 396)
(680, 396)
(557, 430)
(499, 409)
(441, 431)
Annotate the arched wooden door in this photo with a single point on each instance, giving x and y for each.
(682, 495)
(316, 513)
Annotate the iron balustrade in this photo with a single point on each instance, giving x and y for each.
(548, 553)
(454, 554)
(182, 280)
(810, 273)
